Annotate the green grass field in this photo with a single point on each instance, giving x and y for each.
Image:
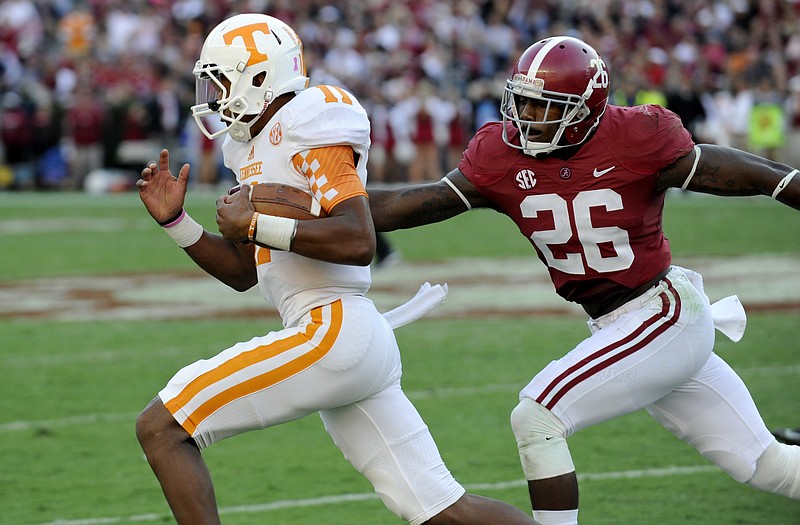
(70, 390)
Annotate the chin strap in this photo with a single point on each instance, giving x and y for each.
(240, 131)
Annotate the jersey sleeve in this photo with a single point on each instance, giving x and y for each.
(675, 138)
(330, 130)
(326, 116)
(483, 160)
(331, 174)
(656, 138)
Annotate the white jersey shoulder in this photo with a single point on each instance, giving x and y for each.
(316, 117)
(326, 115)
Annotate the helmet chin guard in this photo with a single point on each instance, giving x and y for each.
(559, 71)
(246, 62)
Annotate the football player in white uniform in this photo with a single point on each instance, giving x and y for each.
(336, 354)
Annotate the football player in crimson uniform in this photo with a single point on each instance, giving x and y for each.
(336, 355)
(585, 182)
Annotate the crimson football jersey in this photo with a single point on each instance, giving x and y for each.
(594, 218)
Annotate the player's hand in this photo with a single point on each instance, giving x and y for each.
(234, 213)
(162, 193)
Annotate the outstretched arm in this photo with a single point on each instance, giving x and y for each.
(163, 196)
(420, 204)
(727, 171)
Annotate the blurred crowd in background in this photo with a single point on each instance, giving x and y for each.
(92, 89)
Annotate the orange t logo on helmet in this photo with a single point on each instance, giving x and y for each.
(247, 32)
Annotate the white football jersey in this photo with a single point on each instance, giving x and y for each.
(303, 146)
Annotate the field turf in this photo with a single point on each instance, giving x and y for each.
(70, 390)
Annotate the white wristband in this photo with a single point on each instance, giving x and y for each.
(184, 230)
(694, 167)
(783, 183)
(274, 231)
(458, 192)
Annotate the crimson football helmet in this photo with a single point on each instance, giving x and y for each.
(246, 62)
(562, 71)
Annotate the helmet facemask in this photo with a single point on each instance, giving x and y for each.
(213, 99)
(573, 111)
(559, 70)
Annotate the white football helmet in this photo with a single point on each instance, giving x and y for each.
(234, 54)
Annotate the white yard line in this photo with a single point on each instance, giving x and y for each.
(71, 421)
(347, 498)
(414, 395)
(477, 286)
(72, 225)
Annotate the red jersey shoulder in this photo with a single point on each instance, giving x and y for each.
(487, 157)
(646, 138)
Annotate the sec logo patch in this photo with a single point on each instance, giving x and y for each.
(276, 134)
(526, 179)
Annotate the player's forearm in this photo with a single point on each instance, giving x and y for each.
(339, 240)
(413, 206)
(730, 172)
(224, 261)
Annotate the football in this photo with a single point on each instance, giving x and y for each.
(284, 201)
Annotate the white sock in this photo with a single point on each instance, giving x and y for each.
(778, 470)
(556, 517)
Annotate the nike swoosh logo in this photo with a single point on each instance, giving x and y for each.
(600, 173)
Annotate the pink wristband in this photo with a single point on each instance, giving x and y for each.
(184, 230)
(175, 221)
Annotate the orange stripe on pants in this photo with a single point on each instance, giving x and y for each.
(260, 382)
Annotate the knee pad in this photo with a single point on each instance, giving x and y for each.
(778, 470)
(541, 440)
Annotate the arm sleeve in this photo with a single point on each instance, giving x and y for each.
(331, 174)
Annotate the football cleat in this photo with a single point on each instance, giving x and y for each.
(789, 436)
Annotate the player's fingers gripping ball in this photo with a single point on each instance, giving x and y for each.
(234, 212)
(278, 207)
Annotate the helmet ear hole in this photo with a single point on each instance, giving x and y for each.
(259, 79)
